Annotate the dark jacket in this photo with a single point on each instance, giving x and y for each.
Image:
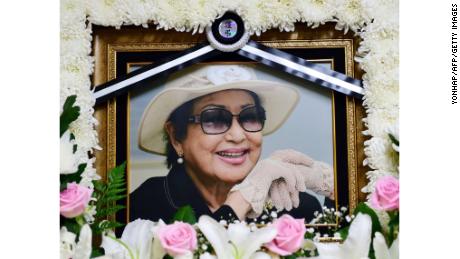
(160, 197)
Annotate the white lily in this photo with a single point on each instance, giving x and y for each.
(71, 249)
(67, 243)
(207, 256)
(136, 242)
(381, 248)
(83, 248)
(188, 255)
(238, 242)
(357, 244)
(69, 163)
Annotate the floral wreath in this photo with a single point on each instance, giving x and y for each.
(374, 21)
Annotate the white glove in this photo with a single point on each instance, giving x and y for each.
(256, 185)
(317, 176)
(281, 197)
(281, 177)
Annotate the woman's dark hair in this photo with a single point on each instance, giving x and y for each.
(179, 121)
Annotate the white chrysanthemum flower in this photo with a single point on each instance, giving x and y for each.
(387, 79)
(171, 15)
(230, 5)
(71, 9)
(261, 15)
(316, 12)
(75, 30)
(89, 174)
(384, 12)
(137, 12)
(85, 134)
(69, 162)
(378, 120)
(77, 64)
(105, 13)
(378, 41)
(82, 128)
(350, 15)
(380, 154)
(76, 47)
(394, 130)
(381, 95)
(377, 61)
(76, 84)
(203, 14)
(73, 20)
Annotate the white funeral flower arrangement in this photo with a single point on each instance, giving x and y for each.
(209, 239)
(376, 22)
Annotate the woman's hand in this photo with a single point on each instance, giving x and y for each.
(317, 176)
(281, 177)
(255, 187)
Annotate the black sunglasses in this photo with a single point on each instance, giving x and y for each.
(218, 120)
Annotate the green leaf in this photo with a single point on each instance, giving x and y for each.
(185, 214)
(372, 253)
(70, 224)
(344, 232)
(103, 212)
(393, 226)
(74, 177)
(99, 228)
(69, 114)
(363, 208)
(107, 195)
(394, 220)
(96, 252)
(115, 197)
(393, 139)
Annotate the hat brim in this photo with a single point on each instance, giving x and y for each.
(278, 100)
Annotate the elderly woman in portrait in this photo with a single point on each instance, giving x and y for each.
(210, 125)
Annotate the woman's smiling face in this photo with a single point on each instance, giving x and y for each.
(227, 157)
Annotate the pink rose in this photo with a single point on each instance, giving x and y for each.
(178, 238)
(74, 200)
(290, 235)
(386, 194)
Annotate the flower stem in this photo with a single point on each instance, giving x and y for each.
(131, 255)
(80, 220)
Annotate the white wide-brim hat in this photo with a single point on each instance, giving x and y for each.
(277, 99)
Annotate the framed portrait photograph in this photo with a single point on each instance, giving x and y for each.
(221, 129)
(322, 125)
(309, 129)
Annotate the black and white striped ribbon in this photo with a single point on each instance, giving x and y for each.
(269, 56)
(301, 68)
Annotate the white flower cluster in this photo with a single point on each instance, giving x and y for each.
(258, 15)
(378, 55)
(375, 21)
(76, 68)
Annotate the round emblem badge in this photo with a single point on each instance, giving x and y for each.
(228, 28)
(227, 33)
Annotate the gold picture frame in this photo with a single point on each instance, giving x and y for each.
(108, 42)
